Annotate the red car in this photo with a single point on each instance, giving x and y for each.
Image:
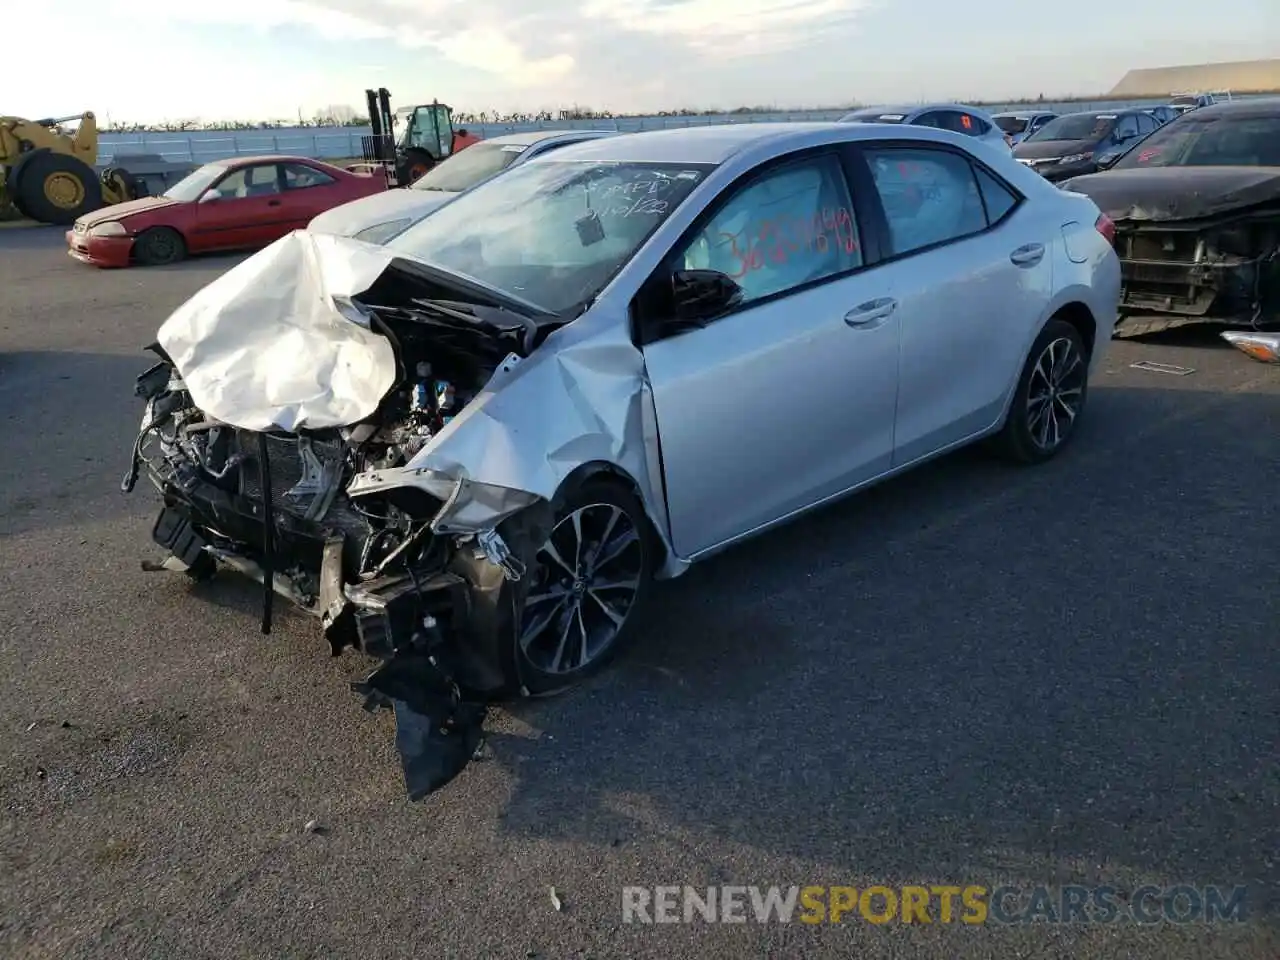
(227, 205)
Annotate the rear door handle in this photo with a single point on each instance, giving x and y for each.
(871, 313)
(1028, 256)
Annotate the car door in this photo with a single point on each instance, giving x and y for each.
(789, 397)
(969, 268)
(308, 192)
(243, 209)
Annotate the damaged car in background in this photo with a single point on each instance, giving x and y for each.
(1197, 213)
(468, 451)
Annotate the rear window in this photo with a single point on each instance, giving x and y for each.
(1011, 125)
(1195, 140)
(874, 116)
(468, 167)
(1077, 126)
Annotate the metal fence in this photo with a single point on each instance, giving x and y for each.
(202, 146)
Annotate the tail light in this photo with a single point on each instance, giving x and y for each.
(1107, 227)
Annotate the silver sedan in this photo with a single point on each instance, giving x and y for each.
(477, 445)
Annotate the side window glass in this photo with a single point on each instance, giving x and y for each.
(1128, 128)
(298, 176)
(793, 225)
(929, 196)
(998, 198)
(256, 181)
(933, 119)
(233, 185)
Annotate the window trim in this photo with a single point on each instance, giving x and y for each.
(283, 176)
(646, 329)
(885, 239)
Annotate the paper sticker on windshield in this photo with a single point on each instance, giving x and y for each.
(895, 117)
(688, 175)
(514, 148)
(1105, 116)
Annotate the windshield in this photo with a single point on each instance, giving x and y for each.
(193, 186)
(468, 167)
(1076, 126)
(1199, 141)
(1011, 125)
(551, 232)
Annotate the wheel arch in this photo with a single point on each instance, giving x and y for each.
(602, 470)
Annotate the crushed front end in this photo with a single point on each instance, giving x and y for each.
(438, 609)
(1223, 271)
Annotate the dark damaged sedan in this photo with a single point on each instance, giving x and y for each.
(1197, 213)
(1081, 143)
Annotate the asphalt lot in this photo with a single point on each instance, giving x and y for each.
(975, 674)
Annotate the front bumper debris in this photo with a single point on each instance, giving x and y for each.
(1175, 277)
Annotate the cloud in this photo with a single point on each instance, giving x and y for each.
(548, 47)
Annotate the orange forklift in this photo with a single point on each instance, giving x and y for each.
(428, 137)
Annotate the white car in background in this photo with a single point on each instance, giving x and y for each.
(394, 210)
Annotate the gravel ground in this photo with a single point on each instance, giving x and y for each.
(974, 675)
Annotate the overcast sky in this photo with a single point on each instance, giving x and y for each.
(143, 60)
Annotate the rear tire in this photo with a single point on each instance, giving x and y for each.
(159, 246)
(588, 588)
(1049, 399)
(55, 188)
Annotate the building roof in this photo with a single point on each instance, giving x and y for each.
(1244, 76)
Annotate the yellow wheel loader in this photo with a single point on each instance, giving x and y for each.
(49, 175)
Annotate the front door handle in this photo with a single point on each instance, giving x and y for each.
(873, 312)
(1027, 256)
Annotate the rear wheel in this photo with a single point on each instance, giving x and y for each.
(1050, 396)
(591, 579)
(54, 188)
(159, 246)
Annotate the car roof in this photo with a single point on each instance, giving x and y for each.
(529, 137)
(1252, 108)
(234, 163)
(1023, 114)
(716, 143)
(910, 109)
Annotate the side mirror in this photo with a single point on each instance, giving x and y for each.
(701, 295)
(210, 196)
(1104, 160)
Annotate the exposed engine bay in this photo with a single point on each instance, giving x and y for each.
(1221, 270)
(438, 610)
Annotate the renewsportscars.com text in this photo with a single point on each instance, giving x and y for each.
(972, 904)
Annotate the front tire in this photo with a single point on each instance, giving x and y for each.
(1050, 397)
(159, 246)
(591, 579)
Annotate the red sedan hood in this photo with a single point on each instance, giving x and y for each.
(121, 210)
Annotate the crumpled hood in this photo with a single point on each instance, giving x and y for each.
(350, 218)
(270, 345)
(1178, 193)
(1042, 149)
(119, 211)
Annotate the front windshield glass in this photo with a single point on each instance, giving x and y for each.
(1199, 141)
(551, 232)
(468, 167)
(1011, 125)
(1076, 126)
(193, 186)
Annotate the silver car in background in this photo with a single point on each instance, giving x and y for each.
(375, 219)
(968, 121)
(470, 451)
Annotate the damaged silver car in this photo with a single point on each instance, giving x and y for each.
(469, 452)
